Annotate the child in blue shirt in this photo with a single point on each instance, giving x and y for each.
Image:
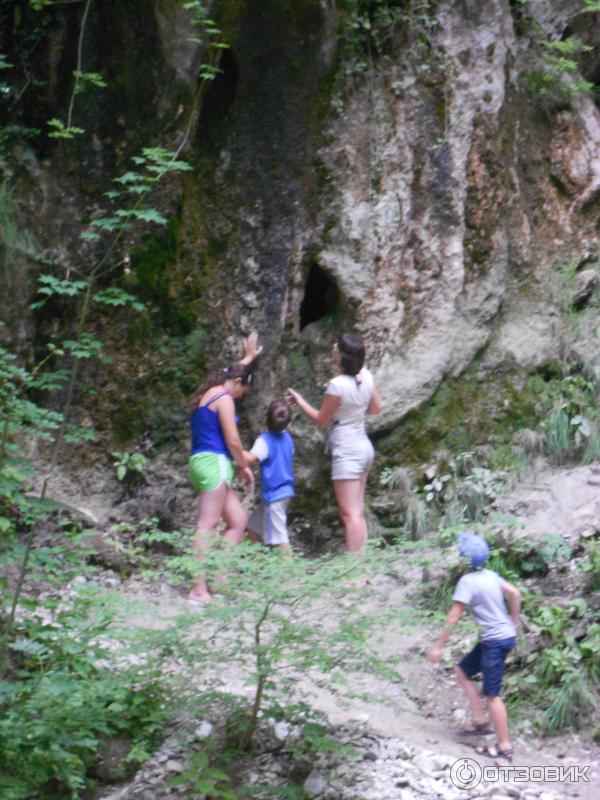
(274, 451)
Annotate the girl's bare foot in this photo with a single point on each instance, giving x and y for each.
(199, 598)
(356, 583)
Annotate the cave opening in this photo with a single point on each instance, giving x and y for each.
(321, 296)
(222, 89)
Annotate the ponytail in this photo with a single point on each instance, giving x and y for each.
(352, 352)
(219, 376)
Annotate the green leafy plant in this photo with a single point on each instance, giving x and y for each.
(570, 429)
(416, 516)
(67, 693)
(282, 609)
(131, 207)
(560, 79)
(201, 778)
(590, 565)
(129, 464)
(564, 677)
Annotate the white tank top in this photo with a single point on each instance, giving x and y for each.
(355, 396)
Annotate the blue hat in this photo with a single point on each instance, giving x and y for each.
(473, 547)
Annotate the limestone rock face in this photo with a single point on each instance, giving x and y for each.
(419, 194)
(431, 209)
(424, 258)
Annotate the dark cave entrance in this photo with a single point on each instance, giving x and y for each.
(321, 296)
(222, 89)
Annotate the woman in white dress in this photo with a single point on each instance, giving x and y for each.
(349, 397)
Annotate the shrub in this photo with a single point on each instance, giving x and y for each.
(64, 693)
(282, 620)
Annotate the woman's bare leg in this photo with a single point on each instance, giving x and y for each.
(350, 496)
(236, 518)
(210, 510)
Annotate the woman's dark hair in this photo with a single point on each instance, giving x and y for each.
(278, 416)
(352, 351)
(218, 376)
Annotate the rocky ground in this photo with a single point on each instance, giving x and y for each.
(405, 746)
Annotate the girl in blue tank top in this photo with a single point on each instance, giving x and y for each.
(216, 451)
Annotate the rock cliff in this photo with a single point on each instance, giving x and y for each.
(401, 177)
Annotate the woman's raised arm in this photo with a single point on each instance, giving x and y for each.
(322, 416)
(252, 349)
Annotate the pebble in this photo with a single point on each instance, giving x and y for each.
(315, 784)
(382, 769)
(204, 730)
(175, 766)
(281, 730)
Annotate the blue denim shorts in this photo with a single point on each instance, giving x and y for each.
(488, 657)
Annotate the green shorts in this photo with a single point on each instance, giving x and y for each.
(209, 470)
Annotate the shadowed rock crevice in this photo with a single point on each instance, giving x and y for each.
(321, 296)
(222, 90)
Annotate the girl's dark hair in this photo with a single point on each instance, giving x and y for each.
(352, 351)
(278, 416)
(218, 376)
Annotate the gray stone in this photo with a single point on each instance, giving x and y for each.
(586, 284)
(315, 784)
(281, 730)
(173, 765)
(204, 730)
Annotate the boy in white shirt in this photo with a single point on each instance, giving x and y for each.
(274, 450)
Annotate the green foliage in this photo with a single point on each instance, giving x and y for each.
(201, 778)
(84, 80)
(564, 678)
(19, 414)
(590, 565)
(208, 29)
(128, 464)
(570, 429)
(465, 492)
(63, 688)
(368, 26)
(524, 557)
(435, 489)
(574, 701)
(65, 693)
(115, 296)
(416, 516)
(40, 5)
(557, 433)
(284, 611)
(560, 78)
(50, 286)
(61, 131)
(392, 477)
(87, 346)
(153, 164)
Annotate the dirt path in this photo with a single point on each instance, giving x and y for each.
(426, 707)
(423, 710)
